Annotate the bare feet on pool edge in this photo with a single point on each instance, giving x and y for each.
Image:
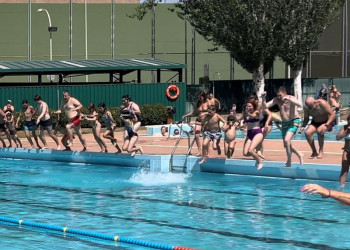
(288, 164)
(320, 155)
(219, 150)
(313, 155)
(301, 159)
(260, 165)
(84, 149)
(202, 161)
(140, 151)
(133, 154)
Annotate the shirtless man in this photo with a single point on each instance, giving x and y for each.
(28, 112)
(334, 101)
(72, 107)
(288, 105)
(44, 121)
(9, 107)
(213, 101)
(211, 131)
(322, 121)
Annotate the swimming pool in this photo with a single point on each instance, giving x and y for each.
(207, 211)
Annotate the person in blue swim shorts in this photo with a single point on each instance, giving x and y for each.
(288, 106)
(28, 112)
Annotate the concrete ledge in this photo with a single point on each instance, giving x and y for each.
(161, 163)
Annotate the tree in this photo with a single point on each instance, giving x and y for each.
(302, 24)
(246, 28)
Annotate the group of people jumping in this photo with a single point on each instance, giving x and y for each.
(39, 117)
(256, 119)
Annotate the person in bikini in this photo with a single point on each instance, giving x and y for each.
(130, 141)
(201, 110)
(92, 117)
(28, 112)
(288, 106)
(211, 131)
(322, 121)
(44, 122)
(107, 118)
(254, 132)
(230, 135)
(344, 132)
(71, 106)
(134, 109)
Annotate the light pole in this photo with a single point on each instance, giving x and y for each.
(51, 29)
(219, 77)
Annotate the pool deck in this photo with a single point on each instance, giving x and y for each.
(154, 145)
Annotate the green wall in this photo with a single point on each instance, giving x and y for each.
(111, 94)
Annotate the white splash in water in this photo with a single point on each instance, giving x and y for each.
(146, 178)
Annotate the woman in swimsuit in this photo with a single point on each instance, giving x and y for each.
(254, 133)
(344, 132)
(110, 125)
(130, 141)
(92, 117)
(201, 110)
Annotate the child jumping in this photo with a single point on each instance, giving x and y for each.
(230, 135)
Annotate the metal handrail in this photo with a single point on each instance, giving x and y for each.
(182, 132)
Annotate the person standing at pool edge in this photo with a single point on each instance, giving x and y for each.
(28, 112)
(288, 105)
(71, 106)
(44, 121)
(344, 132)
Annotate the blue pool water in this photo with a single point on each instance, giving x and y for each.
(206, 211)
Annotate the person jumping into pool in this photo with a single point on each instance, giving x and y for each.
(44, 122)
(230, 135)
(288, 105)
(71, 106)
(201, 110)
(254, 132)
(130, 141)
(211, 131)
(344, 132)
(109, 121)
(92, 117)
(322, 121)
(28, 112)
(327, 193)
(10, 124)
(3, 128)
(128, 104)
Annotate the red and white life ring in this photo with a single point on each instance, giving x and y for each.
(173, 89)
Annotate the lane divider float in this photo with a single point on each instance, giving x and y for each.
(94, 235)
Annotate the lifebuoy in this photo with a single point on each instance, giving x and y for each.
(172, 89)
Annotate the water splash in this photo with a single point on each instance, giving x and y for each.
(146, 178)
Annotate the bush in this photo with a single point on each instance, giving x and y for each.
(154, 114)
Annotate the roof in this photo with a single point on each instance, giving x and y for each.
(69, 67)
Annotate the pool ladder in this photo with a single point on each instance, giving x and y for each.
(180, 168)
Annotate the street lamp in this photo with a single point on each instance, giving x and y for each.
(219, 77)
(51, 29)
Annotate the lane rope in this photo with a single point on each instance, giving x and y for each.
(115, 238)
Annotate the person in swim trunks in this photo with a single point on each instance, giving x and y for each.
(10, 124)
(28, 112)
(288, 106)
(211, 132)
(344, 132)
(44, 122)
(322, 121)
(71, 106)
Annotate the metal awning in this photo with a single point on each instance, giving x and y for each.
(116, 68)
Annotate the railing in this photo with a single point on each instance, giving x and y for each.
(182, 134)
